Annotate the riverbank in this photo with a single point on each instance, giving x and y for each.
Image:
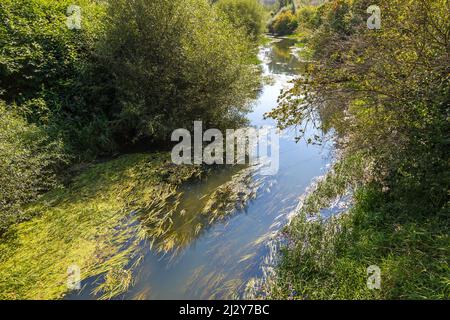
(92, 223)
(139, 227)
(328, 257)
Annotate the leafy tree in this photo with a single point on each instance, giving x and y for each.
(51, 73)
(28, 157)
(385, 93)
(246, 14)
(309, 17)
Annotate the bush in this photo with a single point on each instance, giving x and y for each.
(246, 14)
(175, 62)
(27, 161)
(51, 73)
(385, 95)
(284, 23)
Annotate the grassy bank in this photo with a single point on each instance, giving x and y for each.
(328, 258)
(91, 223)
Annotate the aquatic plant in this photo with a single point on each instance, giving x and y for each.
(92, 223)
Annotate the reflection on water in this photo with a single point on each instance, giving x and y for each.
(218, 235)
(280, 58)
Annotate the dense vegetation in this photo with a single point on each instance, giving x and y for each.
(385, 93)
(134, 72)
(88, 224)
(47, 71)
(174, 62)
(138, 69)
(27, 157)
(288, 15)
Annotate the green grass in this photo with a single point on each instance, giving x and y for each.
(89, 223)
(302, 37)
(328, 258)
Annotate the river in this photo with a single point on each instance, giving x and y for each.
(216, 259)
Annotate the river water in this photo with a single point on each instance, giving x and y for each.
(216, 259)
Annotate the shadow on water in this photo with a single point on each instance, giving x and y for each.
(218, 237)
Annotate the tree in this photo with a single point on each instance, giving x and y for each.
(51, 73)
(384, 92)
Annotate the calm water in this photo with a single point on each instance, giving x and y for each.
(202, 259)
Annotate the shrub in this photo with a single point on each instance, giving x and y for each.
(27, 161)
(309, 17)
(51, 73)
(175, 62)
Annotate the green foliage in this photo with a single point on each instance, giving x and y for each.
(90, 223)
(246, 14)
(309, 17)
(328, 258)
(384, 93)
(283, 23)
(175, 62)
(280, 4)
(134, 72)
(49, 71)
(85, 85)
(27, 164)
(106, 219)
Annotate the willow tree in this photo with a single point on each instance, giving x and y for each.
(174, 62)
